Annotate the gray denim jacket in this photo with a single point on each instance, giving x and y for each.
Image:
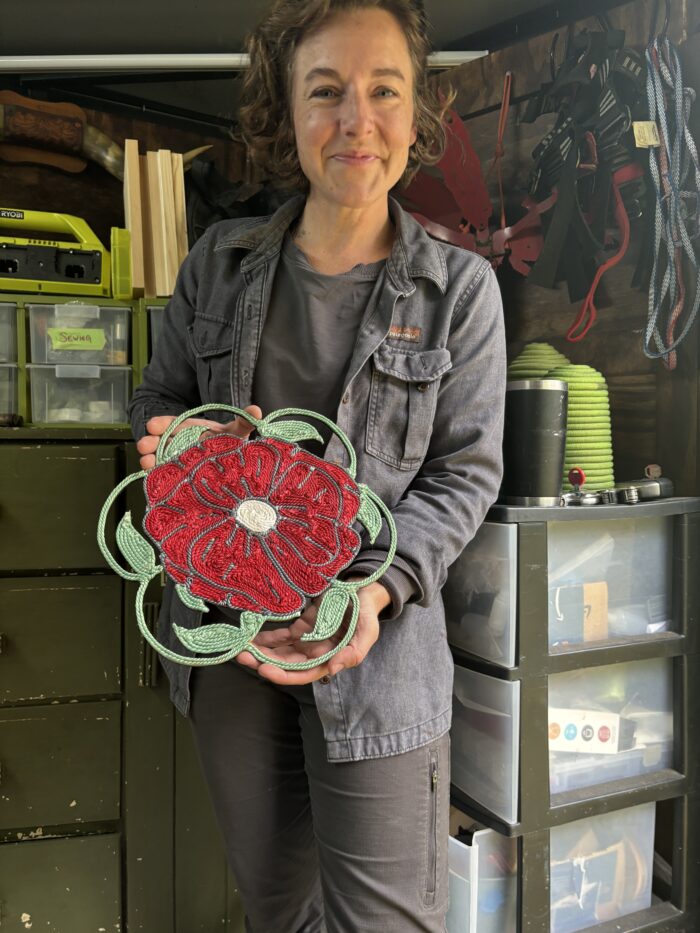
(423, 407)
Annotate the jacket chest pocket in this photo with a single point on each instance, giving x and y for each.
(211, 339)
(402, 400)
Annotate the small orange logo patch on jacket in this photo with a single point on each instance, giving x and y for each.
(412, 334)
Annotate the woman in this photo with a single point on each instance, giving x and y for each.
(331, 785)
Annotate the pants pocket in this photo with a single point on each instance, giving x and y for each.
(433, 840)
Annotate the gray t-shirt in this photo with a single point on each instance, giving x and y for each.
(307, 342)
(309, 335)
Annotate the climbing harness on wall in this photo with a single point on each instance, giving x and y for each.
(674, 288)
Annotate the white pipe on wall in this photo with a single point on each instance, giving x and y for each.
(224, 61)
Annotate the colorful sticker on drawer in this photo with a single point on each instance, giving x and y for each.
(585, 730)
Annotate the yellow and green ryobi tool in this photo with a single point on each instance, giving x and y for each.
(70, 260)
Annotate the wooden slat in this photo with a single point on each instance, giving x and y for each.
(179, 204)
(132, 212)
(157, 228)
(169, 230)
(149, 271)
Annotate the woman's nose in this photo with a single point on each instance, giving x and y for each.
(356, 117)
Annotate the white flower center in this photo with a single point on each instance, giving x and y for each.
(256, 515)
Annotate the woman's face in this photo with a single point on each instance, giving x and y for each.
(352, 107)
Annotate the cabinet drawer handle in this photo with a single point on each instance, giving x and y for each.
(2, 646)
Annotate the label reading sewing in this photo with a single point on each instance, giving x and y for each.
(76, 338)
(646, 134)
(412, 334)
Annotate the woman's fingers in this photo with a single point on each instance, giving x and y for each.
(156, 427)
(240, 426)
(292, 678)
(365, 635)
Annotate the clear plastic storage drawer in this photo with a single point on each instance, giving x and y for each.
(8, 333)
(79, 333)
(608, 579)
(483, 884)
(601, 868)
(155, 323)
(481, 593)
(485, 741)
(610, 722)
(79, 394)
(8, 388)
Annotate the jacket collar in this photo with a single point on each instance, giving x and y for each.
(414, 253)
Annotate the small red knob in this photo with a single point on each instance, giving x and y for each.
(577, 477)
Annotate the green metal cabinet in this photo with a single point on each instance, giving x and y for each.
(50, 495)
(105, 821)
(61, 885)
(60, 637)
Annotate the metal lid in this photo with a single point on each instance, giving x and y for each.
(554, 385)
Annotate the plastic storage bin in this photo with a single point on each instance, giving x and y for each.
(601, 868)
(480, 595)
(8, 388)
(485, 737)
(8, 333)
(79, 333)
(483, 884)
(608, 579)
(155, 322)
(610, 722)
(79, 394)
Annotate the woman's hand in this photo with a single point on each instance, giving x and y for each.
(148, 444)
(284, 644)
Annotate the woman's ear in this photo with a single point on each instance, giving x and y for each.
(414, 134)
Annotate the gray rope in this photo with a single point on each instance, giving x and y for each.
(676, 178)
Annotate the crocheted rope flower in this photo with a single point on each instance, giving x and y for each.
(256, 525)
(253, 525)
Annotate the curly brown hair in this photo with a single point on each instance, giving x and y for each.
(265, 113)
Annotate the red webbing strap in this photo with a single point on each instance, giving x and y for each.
(500, 151)
(587, 314)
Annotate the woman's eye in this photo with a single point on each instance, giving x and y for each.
(325, 92)
(386, 92)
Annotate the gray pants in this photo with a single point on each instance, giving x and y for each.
(319, 847)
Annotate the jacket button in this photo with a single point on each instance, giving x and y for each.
(346, 398)
(422, 386)
(325, 679)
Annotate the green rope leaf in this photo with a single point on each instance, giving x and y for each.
(369, 515)
(251, 622)
(214, 638)
(330, 614)
(182, 440)
(292, 431)
(192, 602)
(136, 549)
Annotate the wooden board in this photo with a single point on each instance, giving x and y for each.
(132, 212)
(157, 226)
(149, 272)
(180, 208)
(167, 219)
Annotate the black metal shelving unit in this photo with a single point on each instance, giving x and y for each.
(535, 661)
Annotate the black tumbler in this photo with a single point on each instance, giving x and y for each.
(534, 441)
